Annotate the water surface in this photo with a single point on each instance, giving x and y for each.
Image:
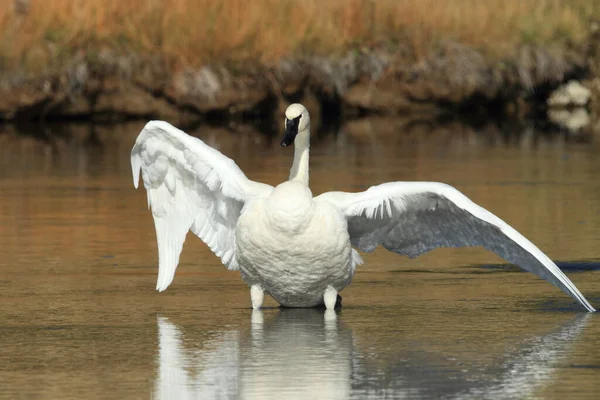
(80, 317)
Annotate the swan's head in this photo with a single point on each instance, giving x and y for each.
(296, 120)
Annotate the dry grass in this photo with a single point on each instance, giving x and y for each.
(193, 32)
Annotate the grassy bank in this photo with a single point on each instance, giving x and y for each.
(38, 36)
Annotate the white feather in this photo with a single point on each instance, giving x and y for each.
(170, 181)
(185, 181)
(414, 198)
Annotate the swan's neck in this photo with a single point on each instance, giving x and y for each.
(299, 171)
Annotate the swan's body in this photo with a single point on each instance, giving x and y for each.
(296, 247)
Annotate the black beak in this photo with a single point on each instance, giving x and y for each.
(291, 130)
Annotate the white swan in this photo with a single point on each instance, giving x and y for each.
(296, 247)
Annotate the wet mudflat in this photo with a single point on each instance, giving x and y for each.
(80, 317)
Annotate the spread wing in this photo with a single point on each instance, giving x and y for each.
(190, 186)
(412, 218)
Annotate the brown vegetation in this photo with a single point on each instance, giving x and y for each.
(39, 35)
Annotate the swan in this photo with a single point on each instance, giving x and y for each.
(297, 248)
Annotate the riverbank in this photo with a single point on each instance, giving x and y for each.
(102, 61)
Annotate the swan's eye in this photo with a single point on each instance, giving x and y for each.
(293, 123)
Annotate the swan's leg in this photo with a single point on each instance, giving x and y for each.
(330, 297)
(257, 295)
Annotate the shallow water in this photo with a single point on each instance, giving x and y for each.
(80, 317)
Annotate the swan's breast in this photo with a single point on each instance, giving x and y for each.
(289, 209)
(294, 246)
(290, 215)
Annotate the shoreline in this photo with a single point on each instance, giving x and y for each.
(108, 60)
(370, 131)
(454, 79)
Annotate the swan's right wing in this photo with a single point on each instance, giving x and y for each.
(190, 186)
(413, 218)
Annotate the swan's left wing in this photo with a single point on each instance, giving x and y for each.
(190, 186)
(412, 218)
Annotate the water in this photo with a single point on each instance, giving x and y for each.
(80, 317)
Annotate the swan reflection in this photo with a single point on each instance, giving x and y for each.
(297, 354)
(312, 354)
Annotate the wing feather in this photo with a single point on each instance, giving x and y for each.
(190, 186)
(413, 218)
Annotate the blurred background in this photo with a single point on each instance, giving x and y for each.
(215, 61)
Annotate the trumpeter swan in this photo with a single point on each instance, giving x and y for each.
(295, 247)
